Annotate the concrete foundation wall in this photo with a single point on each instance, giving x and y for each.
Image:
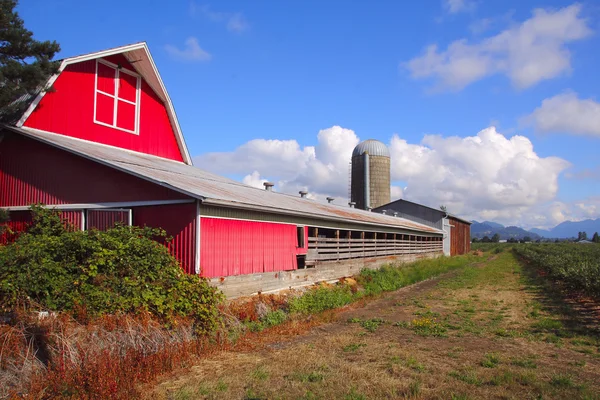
(251, 284)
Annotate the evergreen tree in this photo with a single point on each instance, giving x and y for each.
(496, 238)
(596, 238)
(25, 63)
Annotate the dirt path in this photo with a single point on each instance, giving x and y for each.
(484, 332)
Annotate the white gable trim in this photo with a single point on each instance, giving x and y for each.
(105, 53)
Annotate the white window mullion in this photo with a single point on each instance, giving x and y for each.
(116, 98)
(116, 103)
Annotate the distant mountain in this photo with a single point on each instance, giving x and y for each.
(542, 232)
(493, 224)
(489, 229)
(570, 229)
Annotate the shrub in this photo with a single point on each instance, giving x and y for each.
(93, 273)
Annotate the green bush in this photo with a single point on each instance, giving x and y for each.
(93, 273)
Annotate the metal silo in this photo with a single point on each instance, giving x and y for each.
(370, 179)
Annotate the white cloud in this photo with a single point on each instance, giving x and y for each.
(566, 113)
(191, 52)
(528, 53)
(254, 180)
(486, 176)
(321, 169)
(458, 6)
(235, 22)
(592, 174)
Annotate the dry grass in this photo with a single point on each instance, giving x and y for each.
(56, 356)
(484, 332)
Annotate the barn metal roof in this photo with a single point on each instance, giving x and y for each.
(372, 147)
(383, 207)
(213, 189)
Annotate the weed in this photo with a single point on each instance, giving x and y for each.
(353, 347)
(402, 324)
(414, 388)
(547, 325)
(354, 395)
(561, 380)
(321, 299)
(252, 395)
(354, 320)
(412, 363)
(467, 376)
(460, 396)
(552, 338)
(428, 327)
(506, 332)
(260, 374)
(312, 377)
(427, 313)
(491, 360)
(524, 363)
(503, 378)
(579, 363)
(371, 325)
(221, 386)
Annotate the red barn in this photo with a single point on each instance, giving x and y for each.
(105, 146)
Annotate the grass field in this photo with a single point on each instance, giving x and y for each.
(492, 329)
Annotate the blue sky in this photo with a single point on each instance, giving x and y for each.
(312, 78)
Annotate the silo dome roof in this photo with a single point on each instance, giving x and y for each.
(373, 147)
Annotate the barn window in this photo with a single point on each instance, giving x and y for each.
(117, 97)
(106, 218)
(300, 233)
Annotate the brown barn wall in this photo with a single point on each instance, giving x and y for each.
(460, 237)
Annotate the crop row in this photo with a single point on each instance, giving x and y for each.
(576, 265)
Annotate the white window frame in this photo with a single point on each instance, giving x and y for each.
(116, 98)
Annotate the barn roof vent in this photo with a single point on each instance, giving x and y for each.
(268, 186)
(352, 204)
(303, 193)
(330, 199)
(395, 213)
(384, 212)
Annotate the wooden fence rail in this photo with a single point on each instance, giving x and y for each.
(330, 249)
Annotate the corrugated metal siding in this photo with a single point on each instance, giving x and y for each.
(415, 212)
(72, 219)
(179, 221)
(33, 172)
(106, 219)
(460, 237)
(69, 110)
(233, 247)
(20, 221)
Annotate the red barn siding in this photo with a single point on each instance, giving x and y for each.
(34, 172)
(179, 221)
(69, 110)
(106, 219)
(20, 221)
(235, 247)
